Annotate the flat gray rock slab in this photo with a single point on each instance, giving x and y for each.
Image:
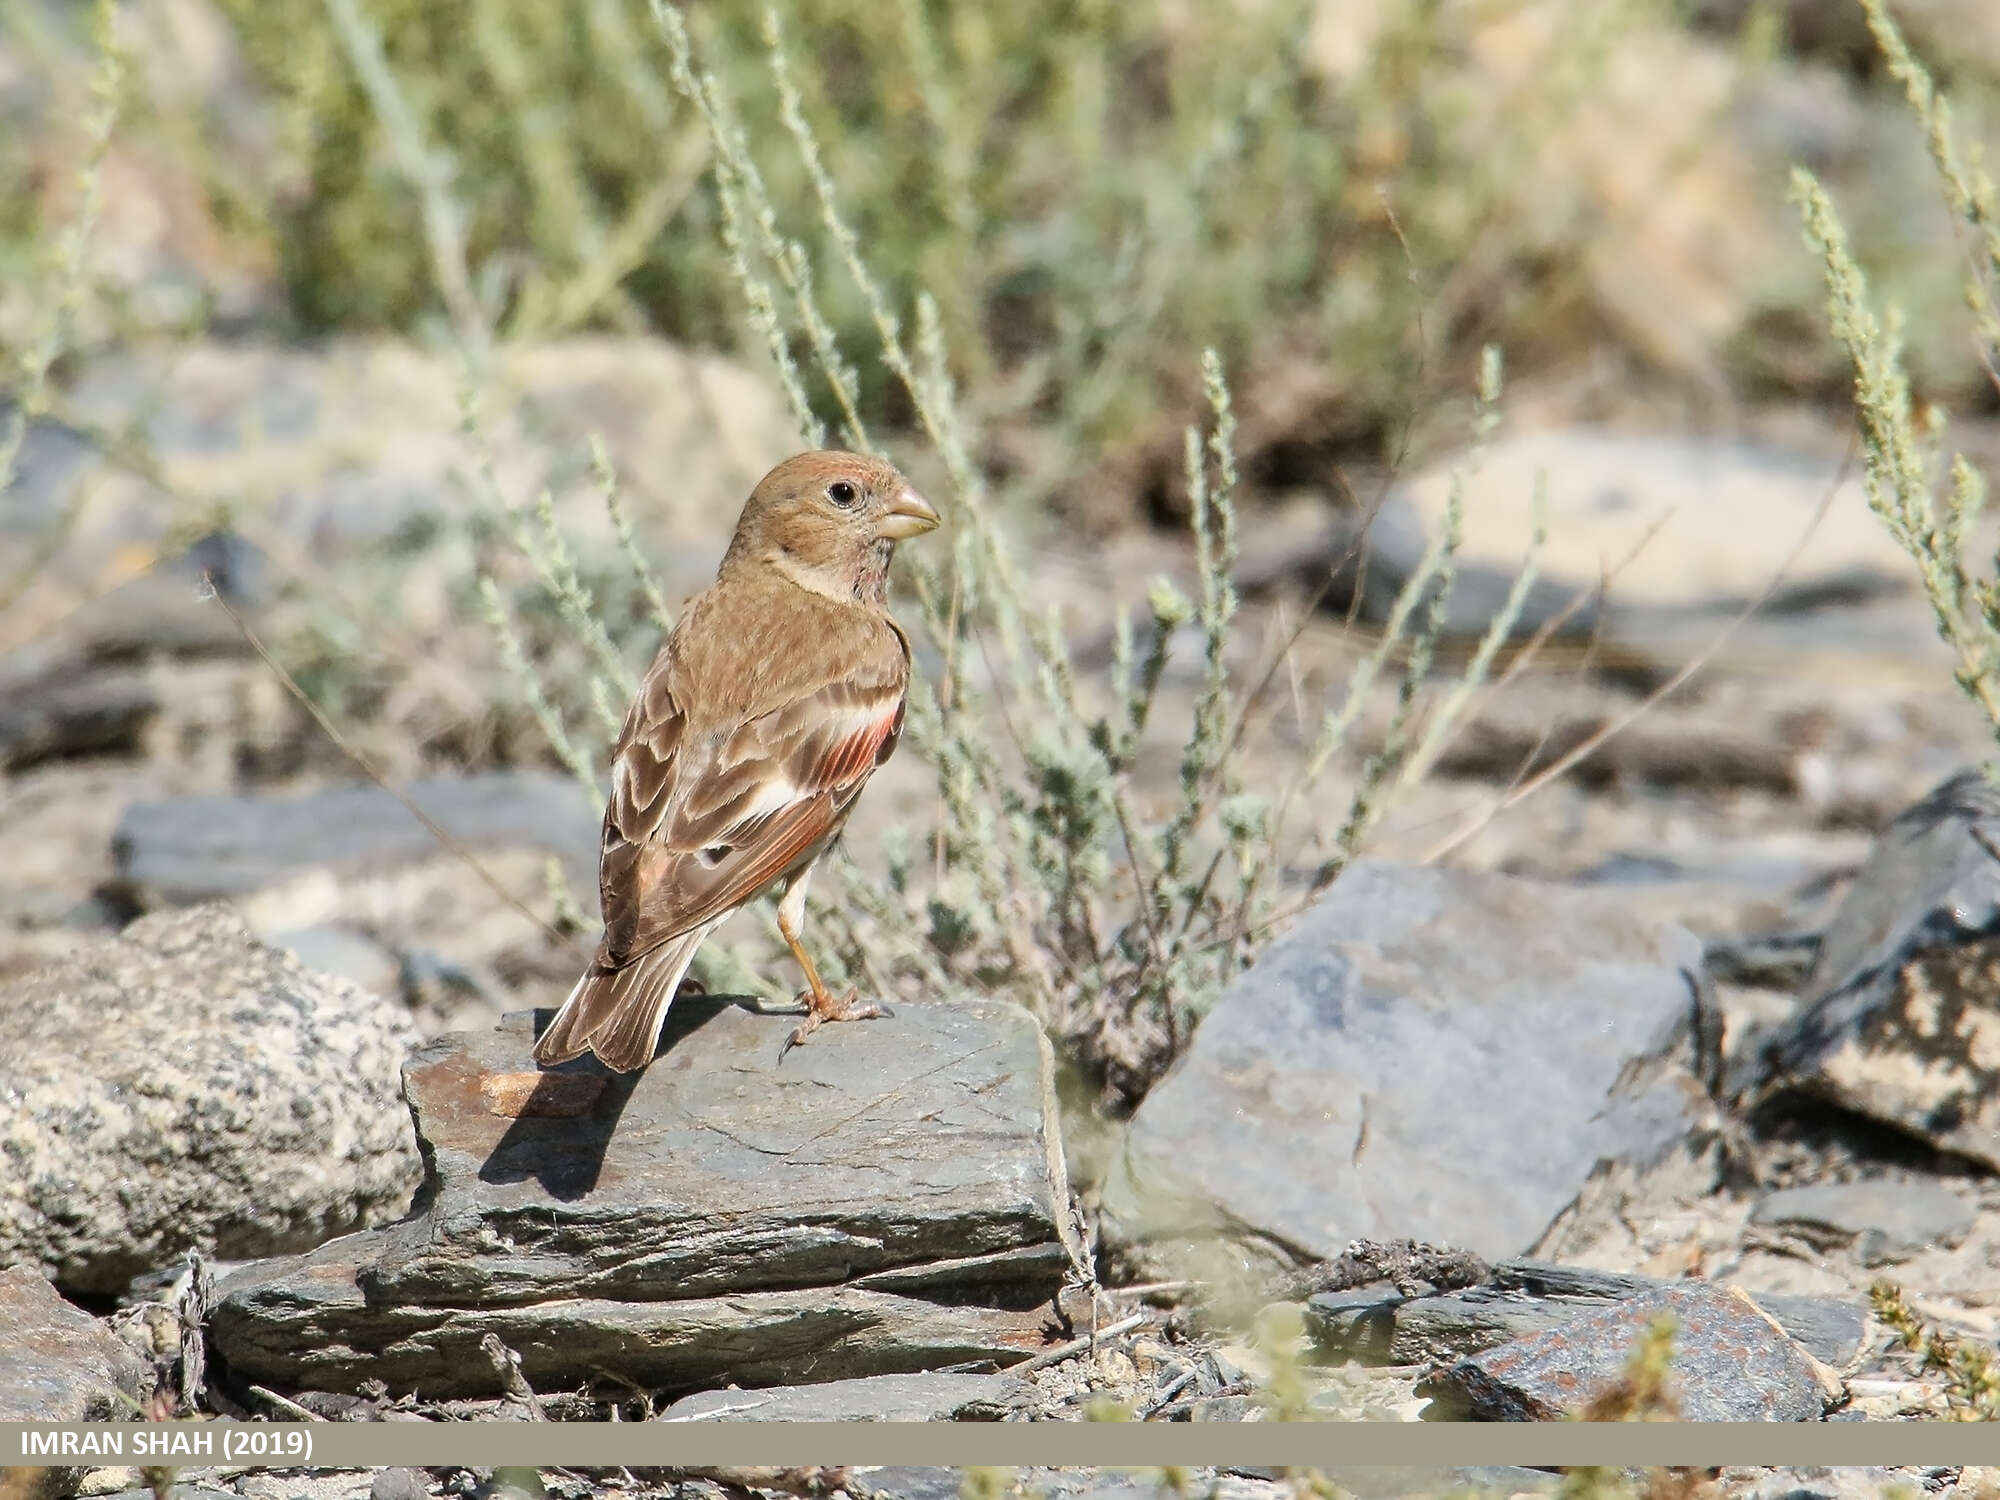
(888, 1198)
(58, 1363)
(926, 1397)
(314, 1327)
(1884, 1221)
(1526, 1297)
(201, 848)
(1425, 1053)
(1731, 1363)
(182, 1085)
(1900, 1018)
(74, 712)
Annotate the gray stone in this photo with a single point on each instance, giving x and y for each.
(1382, 1482)
(1899, 1019)
(1728, 514)
(200, 848)
(97, 713)
(1779, 960)
(889, 1198)
(1719, 520)
(1426, 1053)
(348, 449)
(1731, 1363)
(170, 609)
(936, 1396)
(911, 1483)
(345, 954)
(183, 1086)
(312, 1323)
(1526, 1297)
(1425, 1484)
(1829, 1329)
(1396, 1330)
(353, 880)
(1359, 562)
(1856, 1483)
(1885, 1221)
(399, 1484)
(58, 1363)
(321, 1484)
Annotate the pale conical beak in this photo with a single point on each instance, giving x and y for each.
(908, 515)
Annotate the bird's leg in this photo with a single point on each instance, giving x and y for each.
(819, 1001)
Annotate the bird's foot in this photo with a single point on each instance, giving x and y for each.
(822, 1007)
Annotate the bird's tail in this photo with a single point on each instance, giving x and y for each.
(617, 1013)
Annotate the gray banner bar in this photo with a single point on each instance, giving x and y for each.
(1320, 1445)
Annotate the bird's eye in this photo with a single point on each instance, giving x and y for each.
(841, 493)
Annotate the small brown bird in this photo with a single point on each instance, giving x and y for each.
(773, 700)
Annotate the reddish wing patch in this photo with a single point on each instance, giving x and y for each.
(700, 826)
(861, 751)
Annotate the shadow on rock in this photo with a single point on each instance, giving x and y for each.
(564, 1117)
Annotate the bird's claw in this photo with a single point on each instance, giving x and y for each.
(821, 1007)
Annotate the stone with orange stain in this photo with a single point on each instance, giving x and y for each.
(540, 1096)
(892, 1201)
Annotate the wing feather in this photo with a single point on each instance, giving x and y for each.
(701, 818)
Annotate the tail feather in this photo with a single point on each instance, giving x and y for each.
(617, 1013)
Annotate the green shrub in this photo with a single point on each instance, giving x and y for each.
(1929, 504)
(1040, 879)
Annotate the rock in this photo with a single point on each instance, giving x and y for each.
(354, 448)
(891, 1201)
(1376, 1482)
(1496, 744)
(344, 954)
(930, 1397)
(316, 1321)
(1855, 1483)
(201, 848)
(374, 895)
(181, 1085)
(1359, 562)
(1777, 960)
(1829, 1329)
(1885, 1221)
(1396, 1330)
(1426, 1053)
(1899, 1019)
(1524, 1297)
(910, 1483)
(1733, 511)
(1731, 1363)
(58, 1363)
(1424, 1484)
(399, 1484)
(101, 712)
(170, 609)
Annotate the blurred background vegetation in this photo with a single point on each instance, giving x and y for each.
(1345, 198)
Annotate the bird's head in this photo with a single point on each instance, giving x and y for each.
(830, 521)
